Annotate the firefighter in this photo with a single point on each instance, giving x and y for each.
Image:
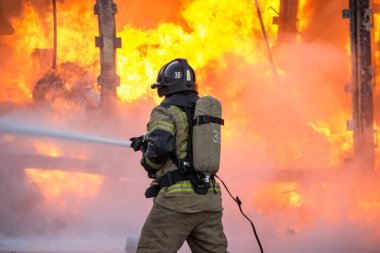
(186, 207)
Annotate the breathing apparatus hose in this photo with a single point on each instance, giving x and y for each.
(239, 203)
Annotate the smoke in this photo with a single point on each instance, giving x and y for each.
(119, 208)
(285, 157)
(283, 152)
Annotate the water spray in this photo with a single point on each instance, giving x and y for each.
(23, 128)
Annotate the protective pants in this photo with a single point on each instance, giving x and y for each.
(166, 230)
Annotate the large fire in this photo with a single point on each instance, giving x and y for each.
(298, 124)
(143, 51)
(65, 188)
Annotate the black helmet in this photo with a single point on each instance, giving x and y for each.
(175, 77)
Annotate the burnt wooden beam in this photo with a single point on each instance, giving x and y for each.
(108, 43)
(361, 88)
(287, 21)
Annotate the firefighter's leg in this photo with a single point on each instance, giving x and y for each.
(164, 230)
(208, 235)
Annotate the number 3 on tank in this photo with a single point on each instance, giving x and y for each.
(217, 137)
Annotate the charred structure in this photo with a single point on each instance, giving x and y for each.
(360, 16)
(107, 42)
(287, 21)
(284, 144)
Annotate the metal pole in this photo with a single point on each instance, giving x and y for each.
(274, 69)
(359, 13)
(55, 35)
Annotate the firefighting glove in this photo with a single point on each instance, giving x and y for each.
(139, 143)
(148, 169)
(152, 174)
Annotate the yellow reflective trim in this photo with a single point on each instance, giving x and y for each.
(181, 190)
(152, 164)
(185, 186)
(163, 125)
(168, 129)
(189, 190)
(182, 115)
(183, 145)
(182, 150)
(169, 124)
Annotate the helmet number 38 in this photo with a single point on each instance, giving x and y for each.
(177, 75)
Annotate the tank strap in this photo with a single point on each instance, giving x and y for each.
(204, 119)
(183, 172)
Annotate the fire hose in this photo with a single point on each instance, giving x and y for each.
(23, 128)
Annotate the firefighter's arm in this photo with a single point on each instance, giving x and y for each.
(160, 139)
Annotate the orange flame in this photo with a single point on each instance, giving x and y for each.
(341, 140)
(62, 187)
(223, 42)
(280, 196)
(47, 149)
(144, 51)
(209, 34)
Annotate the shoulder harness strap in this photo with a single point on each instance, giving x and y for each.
(185, 169)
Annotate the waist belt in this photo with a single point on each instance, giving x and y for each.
(183, 172)
(166, 180)
(176, 176)
(171, 178)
